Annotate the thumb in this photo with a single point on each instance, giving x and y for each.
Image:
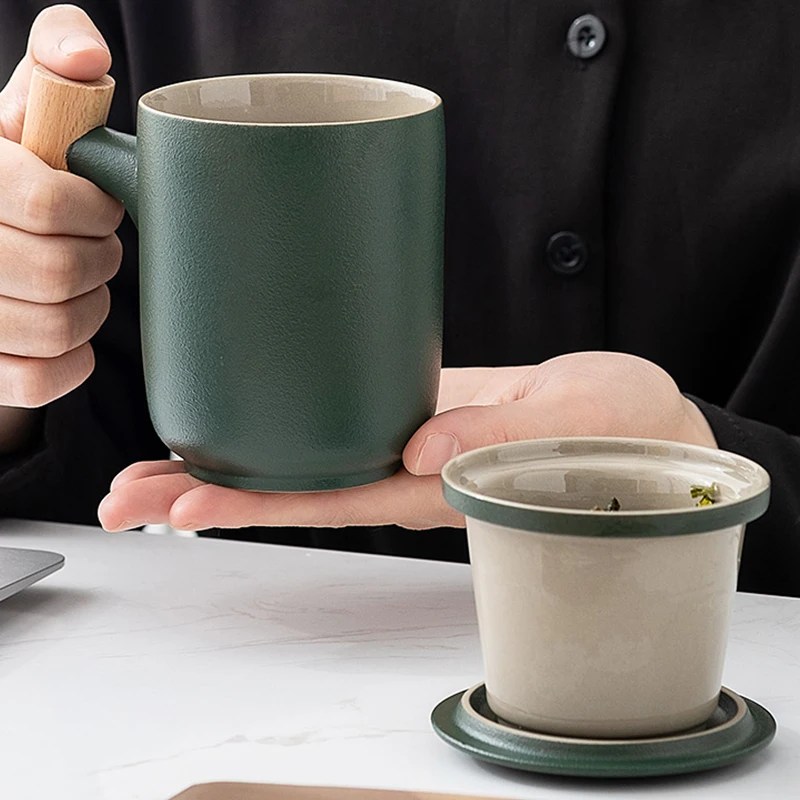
(64, 40)
(446, 435)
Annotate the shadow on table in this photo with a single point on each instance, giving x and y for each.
(37, 601)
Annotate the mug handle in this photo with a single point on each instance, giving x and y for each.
(64, 126)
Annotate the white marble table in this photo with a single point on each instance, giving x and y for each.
(150, 663)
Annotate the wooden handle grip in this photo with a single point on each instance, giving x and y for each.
(60, 111)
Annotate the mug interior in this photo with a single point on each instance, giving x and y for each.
(546, 481)
(292, 99)
(593, 483)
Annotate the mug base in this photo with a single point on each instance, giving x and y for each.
(261, 483)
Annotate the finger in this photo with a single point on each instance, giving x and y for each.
(37, 330)
(38, 199)
(146, 469)
(550, 409)
(188, 504)
(34, 382)
(400, 500)
(457, 387)
(446, 435)
(477, 385)
(143, 501)
(65, 40)
(53, 269)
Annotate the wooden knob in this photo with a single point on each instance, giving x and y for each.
(60, 111)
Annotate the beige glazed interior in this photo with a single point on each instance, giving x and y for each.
(291, 99)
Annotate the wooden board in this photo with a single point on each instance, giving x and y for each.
(271, 791)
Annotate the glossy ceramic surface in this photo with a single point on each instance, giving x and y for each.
(552, 485)
(291, 235)
(603, 637)
(588, 629)
(314, 100)
(737, 728)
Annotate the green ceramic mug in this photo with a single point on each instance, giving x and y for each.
(291, 237)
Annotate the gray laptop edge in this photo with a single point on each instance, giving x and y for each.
(20, 568)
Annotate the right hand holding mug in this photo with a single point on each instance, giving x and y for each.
(57, 242)
(579, 394)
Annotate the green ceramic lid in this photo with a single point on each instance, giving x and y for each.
(737, 728)
(556, 485)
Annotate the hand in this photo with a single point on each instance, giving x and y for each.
(584, 394)
(57, 242)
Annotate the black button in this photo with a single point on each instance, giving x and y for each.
(567, 252)
(586, 36)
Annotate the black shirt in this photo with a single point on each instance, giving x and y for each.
(670, 155)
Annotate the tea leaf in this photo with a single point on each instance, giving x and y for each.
(706, 495)
(612, 506)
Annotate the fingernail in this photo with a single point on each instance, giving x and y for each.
(436, 451)
(77, 43)
(121, 526)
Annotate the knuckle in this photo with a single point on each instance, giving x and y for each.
(29, 383)
(35, 382)
(57, 276)
(59, 330)
(45, 206)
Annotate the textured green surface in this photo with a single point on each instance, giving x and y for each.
(291, 289)
(710, 747)
(109, 159)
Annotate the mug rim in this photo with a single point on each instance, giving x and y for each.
(475, 504)
(421, 91)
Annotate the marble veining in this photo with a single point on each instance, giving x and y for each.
(153, 662)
